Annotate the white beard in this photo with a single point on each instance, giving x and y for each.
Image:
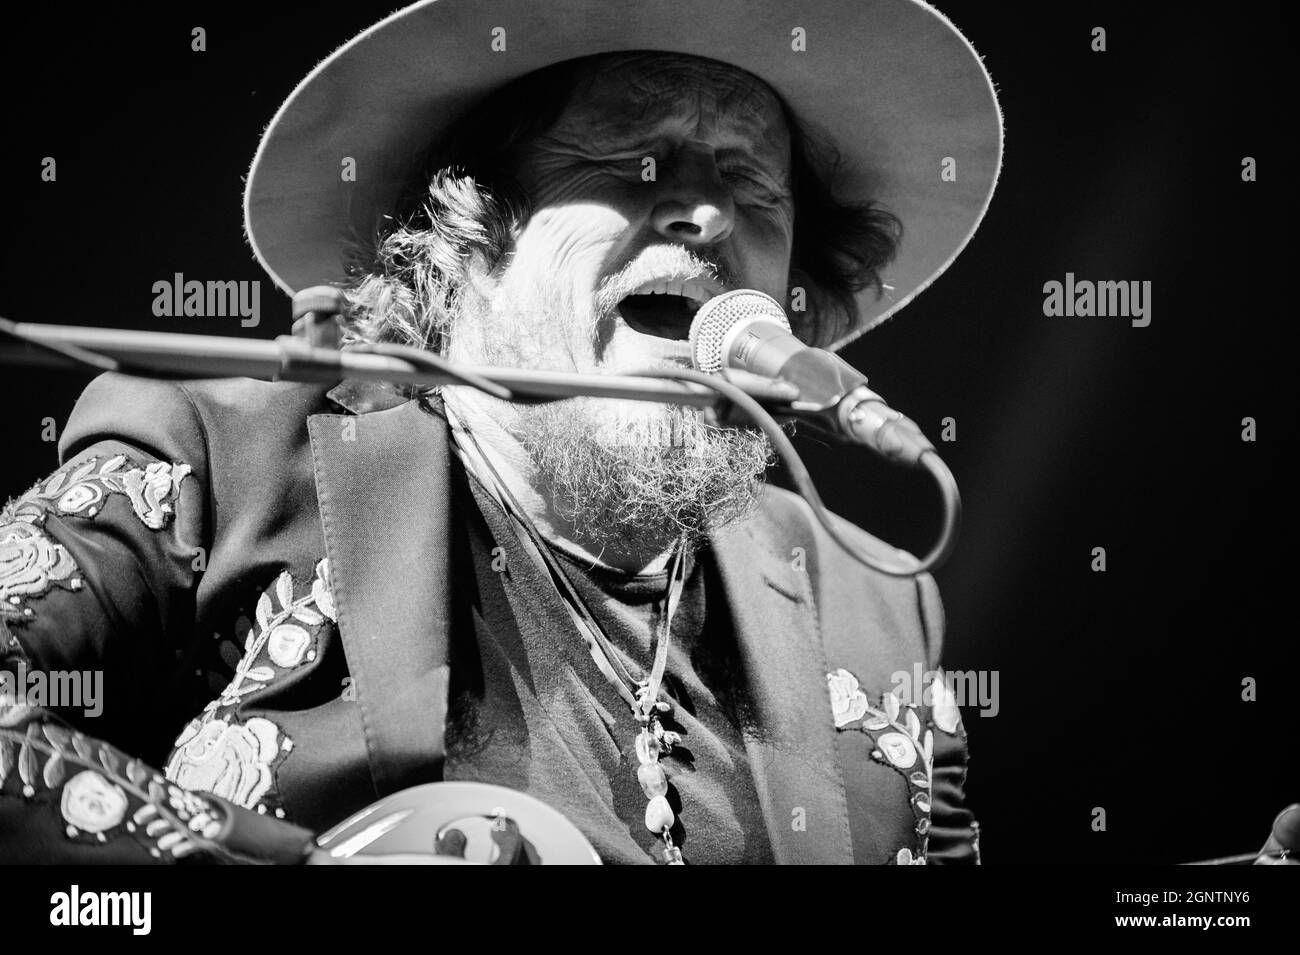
(617, 471)
(618, 477)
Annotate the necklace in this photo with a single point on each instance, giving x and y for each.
(641, 695)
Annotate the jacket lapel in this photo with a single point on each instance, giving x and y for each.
(382, 479)
(792, 746)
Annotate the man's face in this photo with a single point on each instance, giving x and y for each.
(664, 181)
(664, 174)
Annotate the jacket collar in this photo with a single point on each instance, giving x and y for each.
(363, 397)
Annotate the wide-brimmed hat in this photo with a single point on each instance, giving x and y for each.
(901, 93)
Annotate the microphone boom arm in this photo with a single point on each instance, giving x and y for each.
(167, 354)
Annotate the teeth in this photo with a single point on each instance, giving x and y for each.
(696, 290)
(688, 288)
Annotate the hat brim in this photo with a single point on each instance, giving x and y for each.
(892, 82)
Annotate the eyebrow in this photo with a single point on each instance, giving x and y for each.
(656, 112)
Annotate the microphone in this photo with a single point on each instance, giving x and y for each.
(748, 331)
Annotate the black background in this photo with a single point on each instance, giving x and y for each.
(1119, 690)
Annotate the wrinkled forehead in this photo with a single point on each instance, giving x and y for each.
(622, 95)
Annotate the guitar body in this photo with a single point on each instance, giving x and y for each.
(460, 823)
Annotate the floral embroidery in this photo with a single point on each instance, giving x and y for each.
(276, 638)
(104, 788)
(899, 741)
(217, 752)
(81, 489)
(848, 702)
(11, 714)
(943, 706)
(31, 564)
(898, 749)
(321, 594)
(91, 803)
(230, 760)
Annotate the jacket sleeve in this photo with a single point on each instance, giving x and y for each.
(99, 566)
(954, 833)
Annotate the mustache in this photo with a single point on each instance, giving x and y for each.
(656, 262)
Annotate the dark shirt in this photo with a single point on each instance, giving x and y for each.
(529, 708)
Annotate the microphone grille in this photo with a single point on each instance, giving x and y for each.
(719, 315)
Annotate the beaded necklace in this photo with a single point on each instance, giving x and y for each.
(641, 695)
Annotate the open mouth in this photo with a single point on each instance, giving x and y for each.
(665, 307)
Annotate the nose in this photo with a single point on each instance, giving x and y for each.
(693, 206)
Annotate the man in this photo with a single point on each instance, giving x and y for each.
(304, 598)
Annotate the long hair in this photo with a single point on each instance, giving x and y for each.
(403, 286)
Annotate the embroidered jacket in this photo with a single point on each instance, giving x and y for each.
(260, 573)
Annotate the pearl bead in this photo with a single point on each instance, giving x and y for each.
(652, 779)
(659, 815)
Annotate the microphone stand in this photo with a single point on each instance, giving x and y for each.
(289, 358)
(313, 354)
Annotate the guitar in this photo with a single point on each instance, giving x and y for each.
(456, 824)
